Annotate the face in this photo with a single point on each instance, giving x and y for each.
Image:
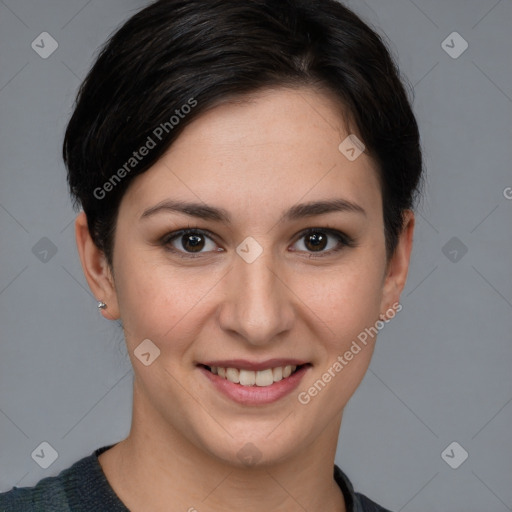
(259, 283)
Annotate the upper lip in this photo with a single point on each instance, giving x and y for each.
(244, 364)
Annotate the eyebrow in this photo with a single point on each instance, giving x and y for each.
(296, 212)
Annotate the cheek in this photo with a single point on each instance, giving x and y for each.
(156, 301)
(348, 303)
(346, 298)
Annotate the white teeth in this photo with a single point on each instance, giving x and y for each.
(260, 378)
(247, 378)
(277, 373)
(264, 378)
(233, 375)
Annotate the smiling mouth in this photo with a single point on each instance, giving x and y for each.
(259, 378)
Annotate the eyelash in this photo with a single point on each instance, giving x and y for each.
(343, 239)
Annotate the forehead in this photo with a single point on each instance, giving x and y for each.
(259, 153)
(293, 117)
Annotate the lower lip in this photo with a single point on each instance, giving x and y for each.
(256, 395)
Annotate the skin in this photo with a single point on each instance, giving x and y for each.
(256, 159)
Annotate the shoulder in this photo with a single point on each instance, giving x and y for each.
(48, 494)
(66, 492)
(355, 501)
(367, 505)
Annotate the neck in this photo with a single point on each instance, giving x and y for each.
(156, 468)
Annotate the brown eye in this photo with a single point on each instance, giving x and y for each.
(316, 240)
(189, 242)
(193, 242)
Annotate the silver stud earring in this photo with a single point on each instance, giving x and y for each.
(101, 305)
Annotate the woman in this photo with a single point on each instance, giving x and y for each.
(247, 171)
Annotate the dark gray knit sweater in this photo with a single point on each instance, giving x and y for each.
(83, 487)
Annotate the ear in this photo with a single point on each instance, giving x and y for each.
(96, 269)
(398, 266)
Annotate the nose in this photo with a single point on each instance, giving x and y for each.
(258, 305)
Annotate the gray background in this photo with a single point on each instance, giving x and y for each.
(442, 368)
